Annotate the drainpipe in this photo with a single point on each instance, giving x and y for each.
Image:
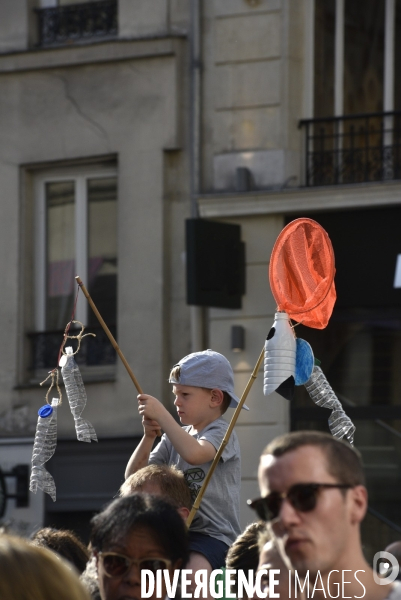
(196, 312)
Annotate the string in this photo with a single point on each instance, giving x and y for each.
(78, 337)
(54, 374)
(291, 323)
(68, 328)
(290, 320)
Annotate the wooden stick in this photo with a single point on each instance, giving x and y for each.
(109, 334)
(225, 439)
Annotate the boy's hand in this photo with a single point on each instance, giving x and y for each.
(150, 408)
(151, 428)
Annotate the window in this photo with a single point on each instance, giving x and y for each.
(356, 56)
(75, 233)
(354, 135)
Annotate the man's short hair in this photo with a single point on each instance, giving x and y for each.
(170, 480)
(175, 375)
(344, 462)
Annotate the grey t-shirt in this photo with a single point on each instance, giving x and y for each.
(218, 514)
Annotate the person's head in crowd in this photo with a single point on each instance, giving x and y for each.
(140, 531)
(244, 552)
(32, 573)
(269, 558)
(162, 480)
(90, 580)
(205, 377)
(89, 577)
(312, 491)
(65, 543)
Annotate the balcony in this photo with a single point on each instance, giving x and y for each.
(95, 351)
(352, 149)
(77, 23)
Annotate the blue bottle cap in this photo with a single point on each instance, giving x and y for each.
(45, 411)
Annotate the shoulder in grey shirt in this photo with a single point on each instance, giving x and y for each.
(218, 514)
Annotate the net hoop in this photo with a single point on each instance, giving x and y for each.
(301, 273)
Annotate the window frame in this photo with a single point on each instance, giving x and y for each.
(388, 66)
(80, 176)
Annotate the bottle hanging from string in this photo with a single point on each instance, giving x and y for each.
(43, 449)
(76, 395)
(322, 394)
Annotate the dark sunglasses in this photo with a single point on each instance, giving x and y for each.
(117, 565)
(301, 496)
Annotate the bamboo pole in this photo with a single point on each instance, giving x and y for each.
(223, 444)
(109, 334)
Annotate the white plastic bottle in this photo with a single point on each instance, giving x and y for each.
(323, 394)
(76, 395)
(280, 356)
(43, 449)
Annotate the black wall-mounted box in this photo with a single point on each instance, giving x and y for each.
(215, 264)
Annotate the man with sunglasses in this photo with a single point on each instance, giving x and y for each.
(314, 496)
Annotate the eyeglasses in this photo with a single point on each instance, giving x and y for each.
(117, 565)
(301, 496)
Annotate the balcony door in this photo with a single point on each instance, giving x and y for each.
(356, 57)
(75, 233)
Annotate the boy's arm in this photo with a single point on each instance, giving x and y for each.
(194, 452)
(140, 456)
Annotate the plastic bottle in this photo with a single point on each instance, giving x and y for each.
(76, 395)
(322, 394)
(280, 356)
(43, 449)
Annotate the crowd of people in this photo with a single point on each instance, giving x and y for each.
(305, 541)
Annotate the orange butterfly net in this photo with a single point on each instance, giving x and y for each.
(301, 273)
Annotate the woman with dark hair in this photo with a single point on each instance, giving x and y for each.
(134, 533)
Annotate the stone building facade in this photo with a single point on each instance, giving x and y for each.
(155, 115)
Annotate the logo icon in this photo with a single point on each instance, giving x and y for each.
(385, 568)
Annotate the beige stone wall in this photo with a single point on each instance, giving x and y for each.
(127, 101)
(268, 416)
(127, 110)
(253, 58)
(252, 101)
(141, 18)
(18, 24)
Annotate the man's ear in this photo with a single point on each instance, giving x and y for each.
(217, 397)
(358, 497)
(183, 511)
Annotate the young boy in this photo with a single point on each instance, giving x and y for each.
(203, 384)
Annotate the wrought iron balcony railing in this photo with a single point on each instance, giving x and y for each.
(94, 351)
(352, 148)
(77, 22)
